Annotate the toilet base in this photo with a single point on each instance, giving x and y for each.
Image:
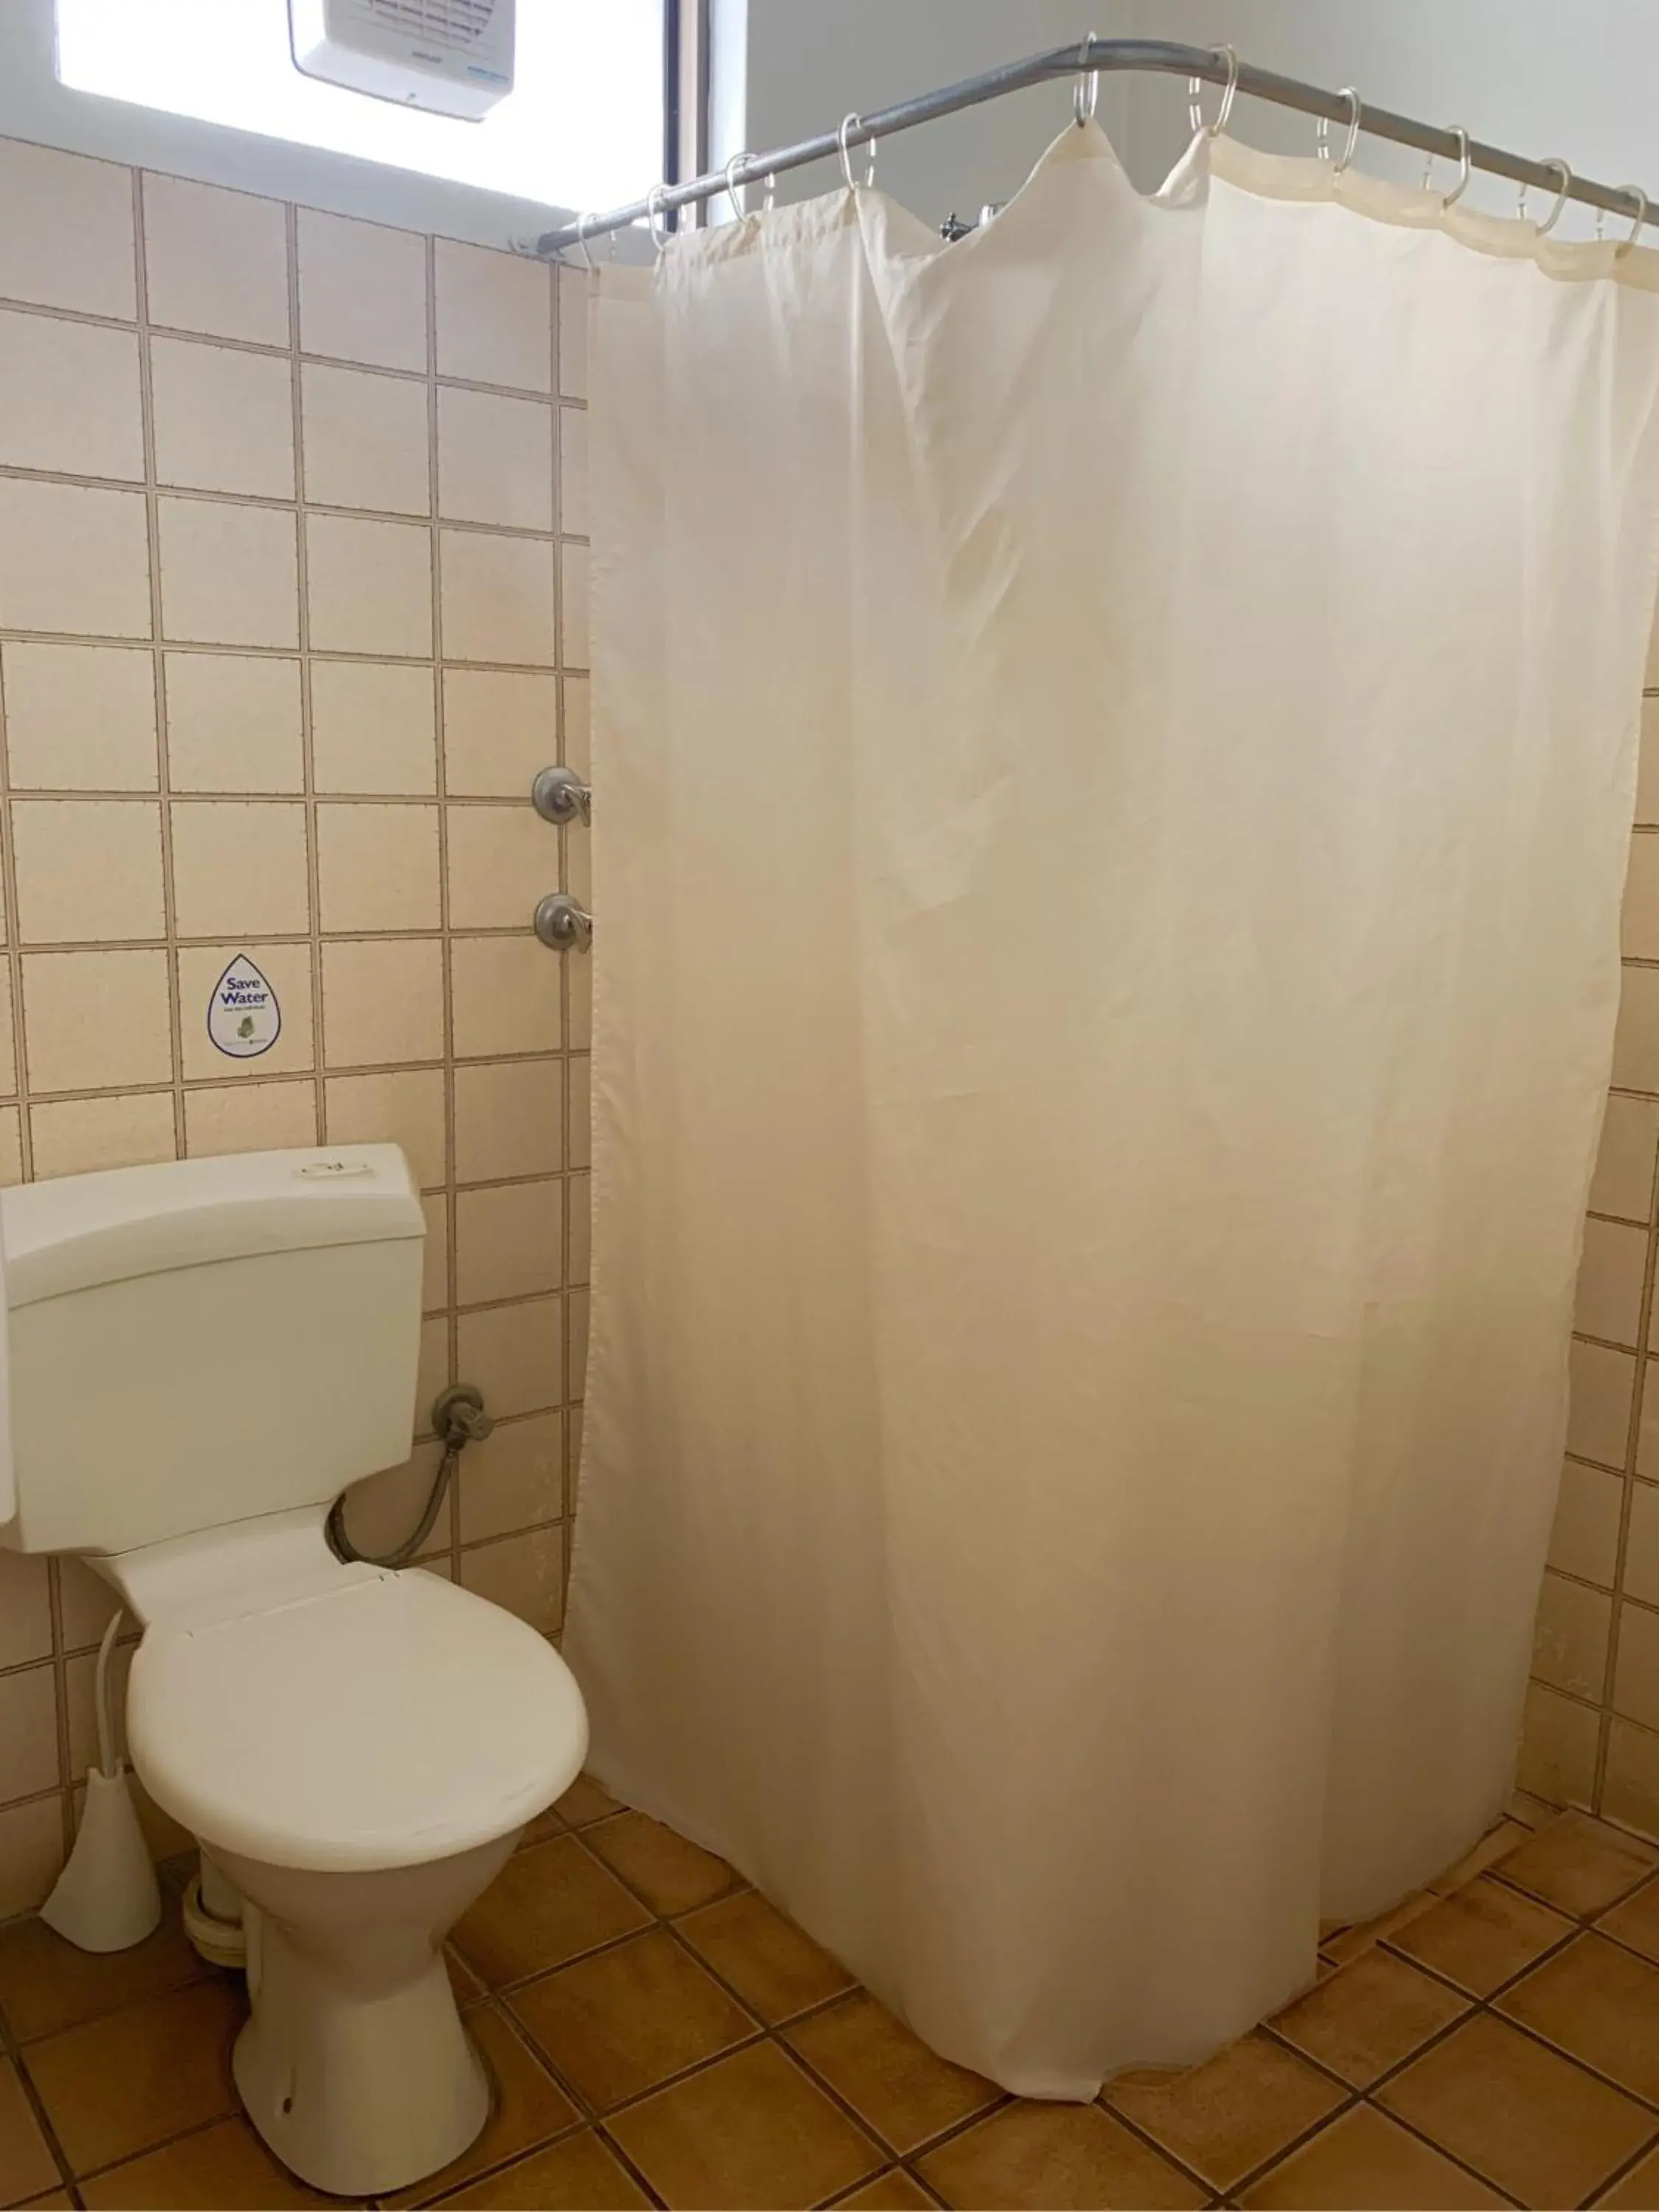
(354, 2065)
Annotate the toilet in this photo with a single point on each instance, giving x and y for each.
(202, 1355)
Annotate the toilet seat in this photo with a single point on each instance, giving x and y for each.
(384, 1721)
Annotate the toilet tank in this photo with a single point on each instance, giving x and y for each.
(203, 1341)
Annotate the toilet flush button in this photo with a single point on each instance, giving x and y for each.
(332, 1170)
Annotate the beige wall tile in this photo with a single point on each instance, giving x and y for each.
(69, 397)
(80, 1136)
(250, 1117)
(514, 1478)
(96, 1020)
(579, 1150)
(31, 1852)
(1599, 1423)
(238, 868)
(287, 968)
(66, 231)
(1639, 917)
(28, 1733)
(87, 869)
(1609, 1300)
(579, 1240)
(573, 287)
(1558, 1739)
(1636, 1041)
(575, 516)
(508, 1242)
(494, 316)
(1632, 1786)
(577, 725)
(1642, 1545)
(513, 1355)
(11, 1146)
(1636, 1669)
(1623, 1182)
(1570, 1644)
(572, 1457)
(500, 727)
(502, 860)
(362, 291)
(1647, 1440)
(1647, 777)
(366, 441)
(372, 728)
(230, 575)
(574, 567)
(498, 605)
(524, 1573)
(579, 869)
(435, 1268)
(382, 1001)
(1585, 1541)
(377, 866)
(234, 722)
(504, 995)
(434, 1373)
(494, 459)
(73, 559)
(26, 1609)
(216, 260)
(405, 1108)
(7, 1036)
(85, 1603)
(80, 717)
(224, 420)
(368, 585)
(508, 1116)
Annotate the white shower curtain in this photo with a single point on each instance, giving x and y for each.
(1115, 744)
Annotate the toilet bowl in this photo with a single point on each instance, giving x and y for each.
(202, 1355)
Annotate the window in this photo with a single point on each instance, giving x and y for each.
(583, 127)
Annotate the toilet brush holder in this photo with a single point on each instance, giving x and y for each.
(107, 1897)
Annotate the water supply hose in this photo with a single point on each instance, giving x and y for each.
(459, 1419)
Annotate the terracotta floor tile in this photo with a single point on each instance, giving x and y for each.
(1495, 1844)
(546, 1905)
(625, 2020)
(528, 2107)
(26, 2165)
(549, 1822)
(1346, 1947)
(1367, 2017)
(46, 1984)
(893, 2191)
(1578, 1864)
(584, 1800)
(55, 2200)
(774, 1966)
(578, 2174)
(1636, 1922)
(671, 1873)
(466, 1984)
(750, 2131)
(1366, 2162)
(1531, 1812)
(1639, 2190)
(1483, 1937)
(1535, 2124)
(907, 2092)
(1226, 2118)
(118, 2084)
(1055, 2157)
(1600, 2003)
(222, 2166)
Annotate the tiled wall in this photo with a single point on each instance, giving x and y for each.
(1592, 1728)
(293, 604)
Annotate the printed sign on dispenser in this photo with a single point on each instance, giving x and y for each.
(244, 1018)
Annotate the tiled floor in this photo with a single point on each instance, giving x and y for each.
(660, 2034)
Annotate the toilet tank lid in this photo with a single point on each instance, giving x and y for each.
(75, 1231)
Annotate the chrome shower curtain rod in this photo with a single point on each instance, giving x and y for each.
(1212, 64)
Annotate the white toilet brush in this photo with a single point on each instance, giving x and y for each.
(107, 1897)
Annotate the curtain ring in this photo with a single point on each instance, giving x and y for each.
(1642, 203)
(1085, 90)
(732, 189)
(771, 199)
(654, 200)
(582, 222)
(1561, 198)
(1465, 170)
(847, 124)
(1229, 92)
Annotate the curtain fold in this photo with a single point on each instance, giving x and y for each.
(1116, 744)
